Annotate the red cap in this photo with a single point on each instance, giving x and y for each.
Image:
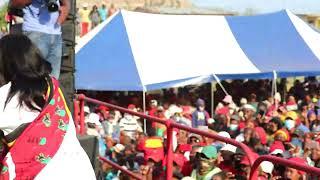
(262, 135)
(103, 108)
(184, 147)
(131, 106)
(245, 161)
(276, 145)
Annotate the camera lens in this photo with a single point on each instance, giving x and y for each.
(52, 5)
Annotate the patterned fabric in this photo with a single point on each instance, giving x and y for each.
(40, 141)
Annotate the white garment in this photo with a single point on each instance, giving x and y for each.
(70, 161)
(12, 116)
(129, 125)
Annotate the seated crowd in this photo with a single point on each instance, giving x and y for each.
(283, 127)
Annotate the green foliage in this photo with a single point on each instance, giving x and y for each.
(3, 11)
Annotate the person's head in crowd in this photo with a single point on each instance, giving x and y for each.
(93, 121)
(312, 116)
(292, 173)
(315, 155)
(182, 137)
(252, 98)
(22, 64)
(308, 99)
(248, 111)
(103, 6)
(227, 100)
(266, 170)
(85, 6)
(160, 112)
(277, 149)
(243, 101)
(290, 124)
(234, 123)
(244, 166)
(94, 8)
(258, 139)
(200, 104)
(194, 139)
(103, 112)
(227, 153)
(131, 107)
(274, 125)
(237, 157)
(153, 104)
(206, 160)
(109, 142)
(247, 134)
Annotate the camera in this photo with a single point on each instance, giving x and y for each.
(52, 5)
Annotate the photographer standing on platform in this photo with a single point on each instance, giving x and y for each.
(42, 24)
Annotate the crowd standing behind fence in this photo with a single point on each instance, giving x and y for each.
(286, 126)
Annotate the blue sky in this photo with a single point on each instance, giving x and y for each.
(262, 6)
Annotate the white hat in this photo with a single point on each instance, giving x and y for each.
(86, 109)
(174, 109)
(85, 5)
(277, 96)
(118, 148)
(224, 134)
(277, 151)
(249, 106)
(267, 167)
(93, 118)
(227, 99)
(243, 101)
(229, 147)
(154, 102)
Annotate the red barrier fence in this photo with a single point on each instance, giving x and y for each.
(170, 125)
(116, 166)
(285, 162)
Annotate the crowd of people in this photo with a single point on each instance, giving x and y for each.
(88, 19)
(285, 127)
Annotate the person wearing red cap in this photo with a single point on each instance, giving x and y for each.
(292, 173)
(258, 140)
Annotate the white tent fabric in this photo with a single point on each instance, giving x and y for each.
(140, 52)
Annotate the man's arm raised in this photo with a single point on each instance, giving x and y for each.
(64, 11)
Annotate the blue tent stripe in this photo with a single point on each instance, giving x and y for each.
(267, 39)
(106, 62)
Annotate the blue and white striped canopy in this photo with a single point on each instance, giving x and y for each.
(140, 52)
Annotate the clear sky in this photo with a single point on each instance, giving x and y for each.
(262, 6)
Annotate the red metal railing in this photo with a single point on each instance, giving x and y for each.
(79, 121)
(116, 166)
(169, 125)
(285, 162)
